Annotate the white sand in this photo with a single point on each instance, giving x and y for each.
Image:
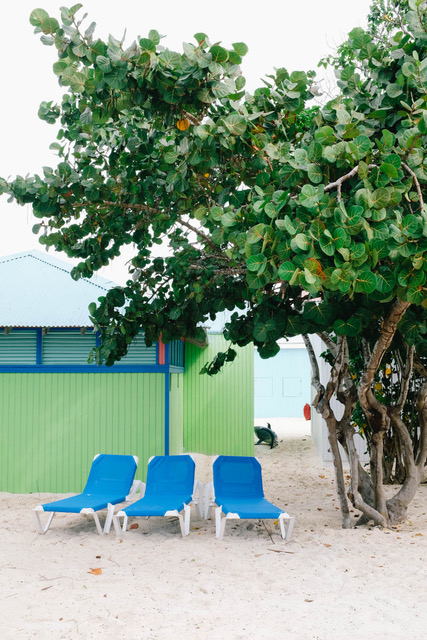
(326, 584)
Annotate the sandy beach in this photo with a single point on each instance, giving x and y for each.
(325, 584)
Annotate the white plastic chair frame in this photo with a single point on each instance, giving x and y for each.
(184, 520)
(286, 522)
(137, 485)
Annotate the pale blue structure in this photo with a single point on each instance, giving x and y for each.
(282, 384)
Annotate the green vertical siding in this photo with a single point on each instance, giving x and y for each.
(176, 413)
(52, 425)
(219, 410)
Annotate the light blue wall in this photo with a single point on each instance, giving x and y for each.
(282, 384)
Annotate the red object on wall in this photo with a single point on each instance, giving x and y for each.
(161, 352)
(307, 411)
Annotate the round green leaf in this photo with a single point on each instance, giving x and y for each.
(240, 48)
(219, 54)
(394, 90)
(257, 281)
(325, 135)
(410, 225)
(380, 198)
(263, 330)
(286, 271)
(327, 244)
(365, 281)
(389, 170)
(315, 174)
(351, 327)
(236, 124)
(256, 263)
(308, 196)
(385, 280)
(354, 214)
(302, 241)
(360, 146)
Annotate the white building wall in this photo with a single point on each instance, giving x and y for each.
(319, 430)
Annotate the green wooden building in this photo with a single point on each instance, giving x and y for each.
(57, 411)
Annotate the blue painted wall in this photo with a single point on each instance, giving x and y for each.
(282, 384)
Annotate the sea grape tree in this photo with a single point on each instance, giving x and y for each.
(305, 219)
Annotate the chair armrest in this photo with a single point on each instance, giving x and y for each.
(137, 485)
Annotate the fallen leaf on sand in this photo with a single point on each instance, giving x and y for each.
(135, 525)
(326, 545)
(95, 572)
(308, 600)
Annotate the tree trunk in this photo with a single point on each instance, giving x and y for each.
(338, 468)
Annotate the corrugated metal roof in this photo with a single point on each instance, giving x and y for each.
(36, 290)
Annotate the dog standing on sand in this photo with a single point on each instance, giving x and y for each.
(267, 435)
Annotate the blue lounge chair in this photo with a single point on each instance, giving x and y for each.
(237, 491)
(110, 481)
(169, 490)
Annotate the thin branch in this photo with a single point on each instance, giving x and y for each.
(366, 351)
(202, 235)
(419, 367)
(133, 205)
(191, 118)
(387, 332)
(347, 176)
(330, 344)
(422, 414)
(406, 378)
(224, 271)
(417, 184)
(315, 374)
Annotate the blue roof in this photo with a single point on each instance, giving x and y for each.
(36, 290)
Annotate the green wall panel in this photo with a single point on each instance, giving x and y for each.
(52, 425)
(176, 413)
(219, 410)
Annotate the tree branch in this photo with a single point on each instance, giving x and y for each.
(417, 184)
(330, 344)
(406, 378)
(225, 271)
(347, 176)
(191, 118)
(315, 374)
(422, 413)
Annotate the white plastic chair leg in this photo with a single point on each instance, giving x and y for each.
(109, 518)
(219, 523)
(208, 500)
(120, 529)
(90, 511)
(198, 498)
(37, 521)
(286, 523)
(187, 517)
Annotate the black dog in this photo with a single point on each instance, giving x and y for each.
(267, 435)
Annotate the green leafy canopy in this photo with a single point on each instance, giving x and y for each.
(267, 203)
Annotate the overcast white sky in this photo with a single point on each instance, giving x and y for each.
(279, 33)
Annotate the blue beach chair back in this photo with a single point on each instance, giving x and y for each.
(111, 473)
(170, 475)
(237, 477)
